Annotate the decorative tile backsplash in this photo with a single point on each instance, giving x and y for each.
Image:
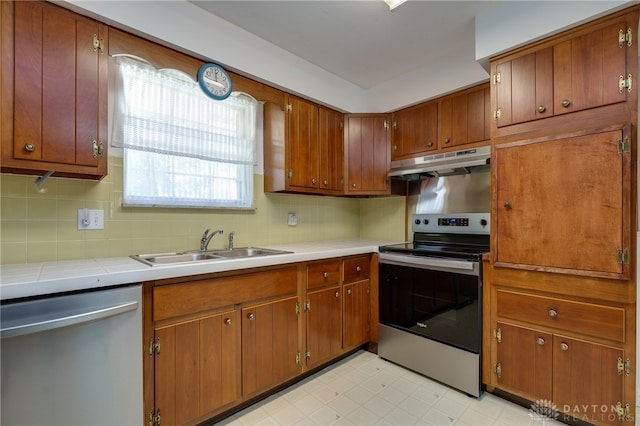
(40, 223)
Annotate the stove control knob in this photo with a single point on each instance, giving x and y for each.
(417, 221)
(426, 221)
(483, 222)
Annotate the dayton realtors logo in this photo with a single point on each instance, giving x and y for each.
(544, 410)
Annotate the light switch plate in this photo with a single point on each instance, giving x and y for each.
(292, 219)
(90, 219)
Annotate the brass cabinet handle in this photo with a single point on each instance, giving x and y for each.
(507, 205)
(313, 181)
(337, 294)
(446, 140)
(29, 147)
(227, 321)
(430, 144)
(541, 108)
(353, 185)
(553, 313)
(349, 291)
(565, 103)
(540, 341)
(325, 182)
(251, 317)
(564, 346)
(325, 274)
(357, 269)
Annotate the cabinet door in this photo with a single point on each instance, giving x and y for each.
(524, 91)
(59, 115)
(586, 379)
(415, 131)
(330, 141)
(269, 344)
(302, 144)
(356, 314)
(524, 357)
(367, 154)
(564, 204)
(197, 367)
(464, 118)
(324, 332)
(587, 70)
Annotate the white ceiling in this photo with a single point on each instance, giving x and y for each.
(361, 41)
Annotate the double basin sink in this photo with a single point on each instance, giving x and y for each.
(199, 256)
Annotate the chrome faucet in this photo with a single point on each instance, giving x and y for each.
(231, 234)
(206, 237)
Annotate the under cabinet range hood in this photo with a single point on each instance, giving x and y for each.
(442, 164)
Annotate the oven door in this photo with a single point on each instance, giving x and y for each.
(435, 298)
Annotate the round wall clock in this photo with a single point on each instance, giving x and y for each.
(214, 81)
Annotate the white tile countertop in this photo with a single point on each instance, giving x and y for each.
(34, 279)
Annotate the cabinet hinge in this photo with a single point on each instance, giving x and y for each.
(497, 370)
(623, 256)
(625, 83)
(289, 173)
(624, 146)
(497, 334)
(297, 358)
(386, 124)
(297, 308)
(395, 148)
(369, 289)
(495, 78)
(307, 305)
(341, 124)
(395, 125)
(623, 411)
(307, 354)
(154, 418)
(98, 44)
(624, 366)
(289, 107)
(154, 347)
(625, 37)
(497, 113)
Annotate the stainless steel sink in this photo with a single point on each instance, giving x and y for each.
(247, 252)
(169, 258)
(198, 256)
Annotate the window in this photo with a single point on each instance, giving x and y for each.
(181, 148)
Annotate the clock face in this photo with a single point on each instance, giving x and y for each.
(214, 81)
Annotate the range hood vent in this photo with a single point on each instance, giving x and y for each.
(445, 164)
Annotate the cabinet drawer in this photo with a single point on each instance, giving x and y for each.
(174, 300)
(356, 268)
(605, 322)
(322, 274)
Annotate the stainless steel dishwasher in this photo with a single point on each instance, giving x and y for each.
(73, 359)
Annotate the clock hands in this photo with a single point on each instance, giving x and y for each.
(215, 83)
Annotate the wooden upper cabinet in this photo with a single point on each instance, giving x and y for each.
(465, 117)
(367, 154)
(54, 91)
(571, 74)
(302, 143)
(331, 153)
(563, 204)
(415, 131)
(303, 148)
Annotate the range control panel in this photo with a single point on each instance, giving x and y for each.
(459, 223)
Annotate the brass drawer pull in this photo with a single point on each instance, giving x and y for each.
(349, 291)
(227, 321)
(566, 103)
(540, 341)
(337, 294)
(564, 346)
(29, 147)
(357, 269)
(541, 109)
(325, 274)
(251, 317)
(553, 313)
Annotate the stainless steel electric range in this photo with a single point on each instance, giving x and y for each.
(430, 299)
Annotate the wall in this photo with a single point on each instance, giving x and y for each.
(40, 224)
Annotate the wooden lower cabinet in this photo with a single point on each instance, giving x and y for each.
(197, 367)
(269, 344)
(324, 325)
(214, 342)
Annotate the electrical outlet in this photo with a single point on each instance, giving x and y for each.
(90, 219)
(292, 219)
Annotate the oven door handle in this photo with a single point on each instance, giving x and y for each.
(424, 262)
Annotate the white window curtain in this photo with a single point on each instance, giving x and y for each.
(181, 148)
